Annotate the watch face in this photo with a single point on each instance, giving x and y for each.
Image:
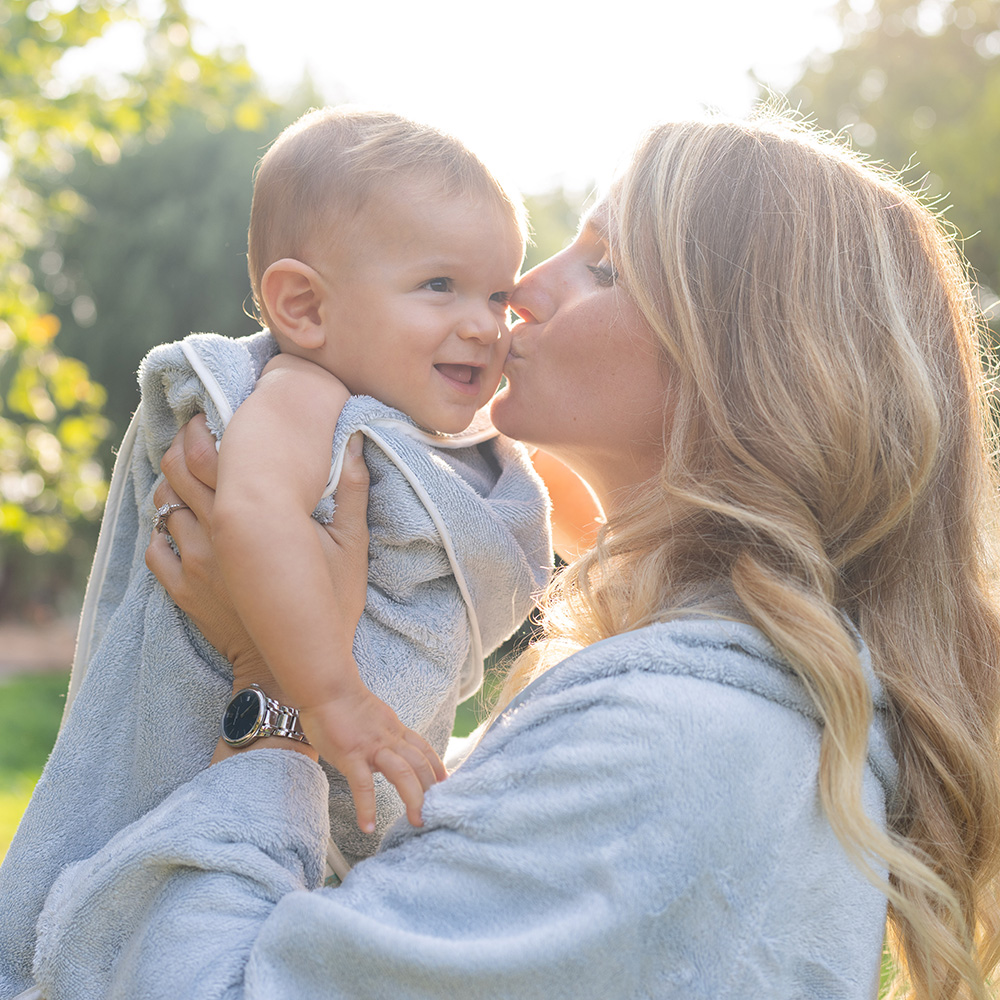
(242, 718)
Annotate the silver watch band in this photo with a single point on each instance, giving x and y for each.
(280, 720)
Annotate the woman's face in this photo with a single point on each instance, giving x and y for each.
(585, 379)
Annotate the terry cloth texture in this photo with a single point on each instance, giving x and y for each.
(643, 821)
(149, 690)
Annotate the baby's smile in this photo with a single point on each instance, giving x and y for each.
(466, 375)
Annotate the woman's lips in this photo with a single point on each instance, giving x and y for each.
(463, 378)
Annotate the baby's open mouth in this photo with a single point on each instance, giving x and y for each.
(460, 373)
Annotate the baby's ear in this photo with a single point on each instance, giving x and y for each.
(293, 299)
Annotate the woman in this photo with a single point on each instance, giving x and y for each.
(771, 682)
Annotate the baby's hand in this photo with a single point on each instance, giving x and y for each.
(359, 734)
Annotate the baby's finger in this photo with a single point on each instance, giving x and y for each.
(422, 759)
(359, 779)
(404, 779)
(436, 764)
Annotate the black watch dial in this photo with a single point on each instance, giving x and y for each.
(242, 718)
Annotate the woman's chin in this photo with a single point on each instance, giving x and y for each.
(503, 414)
(497, 403)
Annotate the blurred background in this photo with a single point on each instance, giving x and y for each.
(128, 135)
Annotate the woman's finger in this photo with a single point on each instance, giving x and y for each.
(180, 486)
(345, 540)
(189, 458)
(163, 562)
(200, 451)
(350, 521)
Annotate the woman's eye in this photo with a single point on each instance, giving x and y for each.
(438, 284)
(604, 272)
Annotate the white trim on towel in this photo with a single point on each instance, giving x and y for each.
(336, 863)
(473, 674)
(99, 571)
(210, 382)
(31, 993)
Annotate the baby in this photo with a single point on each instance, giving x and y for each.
(382, 256)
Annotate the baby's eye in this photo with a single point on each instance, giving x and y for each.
(438, 284)
(500, 297)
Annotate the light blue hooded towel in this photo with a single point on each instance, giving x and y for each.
(459, 545)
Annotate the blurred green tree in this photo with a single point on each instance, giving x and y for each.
(917, 84)
(554, 216)
(51, 420)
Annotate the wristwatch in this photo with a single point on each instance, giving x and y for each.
(251, 715)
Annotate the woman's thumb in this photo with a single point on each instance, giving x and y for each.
(352, 489)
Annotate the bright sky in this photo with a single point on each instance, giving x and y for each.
(546, 91)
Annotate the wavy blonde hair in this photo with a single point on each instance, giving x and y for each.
(826, 454)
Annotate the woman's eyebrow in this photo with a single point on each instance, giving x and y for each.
(598, 220)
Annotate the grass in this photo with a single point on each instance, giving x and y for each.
(13, 802)
(31, 706)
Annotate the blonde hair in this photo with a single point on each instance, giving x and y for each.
(325, 168)
(826, 455)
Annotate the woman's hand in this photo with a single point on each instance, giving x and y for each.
(193, 578)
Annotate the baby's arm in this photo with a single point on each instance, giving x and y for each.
(273, 466)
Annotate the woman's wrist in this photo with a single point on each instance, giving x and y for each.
(256, 674)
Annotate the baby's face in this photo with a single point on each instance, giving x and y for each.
(417, 304)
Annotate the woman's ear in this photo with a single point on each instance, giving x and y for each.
(293, 298)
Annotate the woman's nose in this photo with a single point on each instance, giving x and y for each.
(532, 298)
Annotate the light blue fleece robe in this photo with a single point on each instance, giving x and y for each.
(459, 545)
(642, 822)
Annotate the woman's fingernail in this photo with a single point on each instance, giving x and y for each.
(355, 444)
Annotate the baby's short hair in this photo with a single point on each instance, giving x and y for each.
(324, 167)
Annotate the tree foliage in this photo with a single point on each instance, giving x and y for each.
(160, 252)
(51, 420)
(554, 216)
(917, 84)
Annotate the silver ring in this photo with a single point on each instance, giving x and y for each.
(164, 511)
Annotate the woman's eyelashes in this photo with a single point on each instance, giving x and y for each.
(604, 272)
